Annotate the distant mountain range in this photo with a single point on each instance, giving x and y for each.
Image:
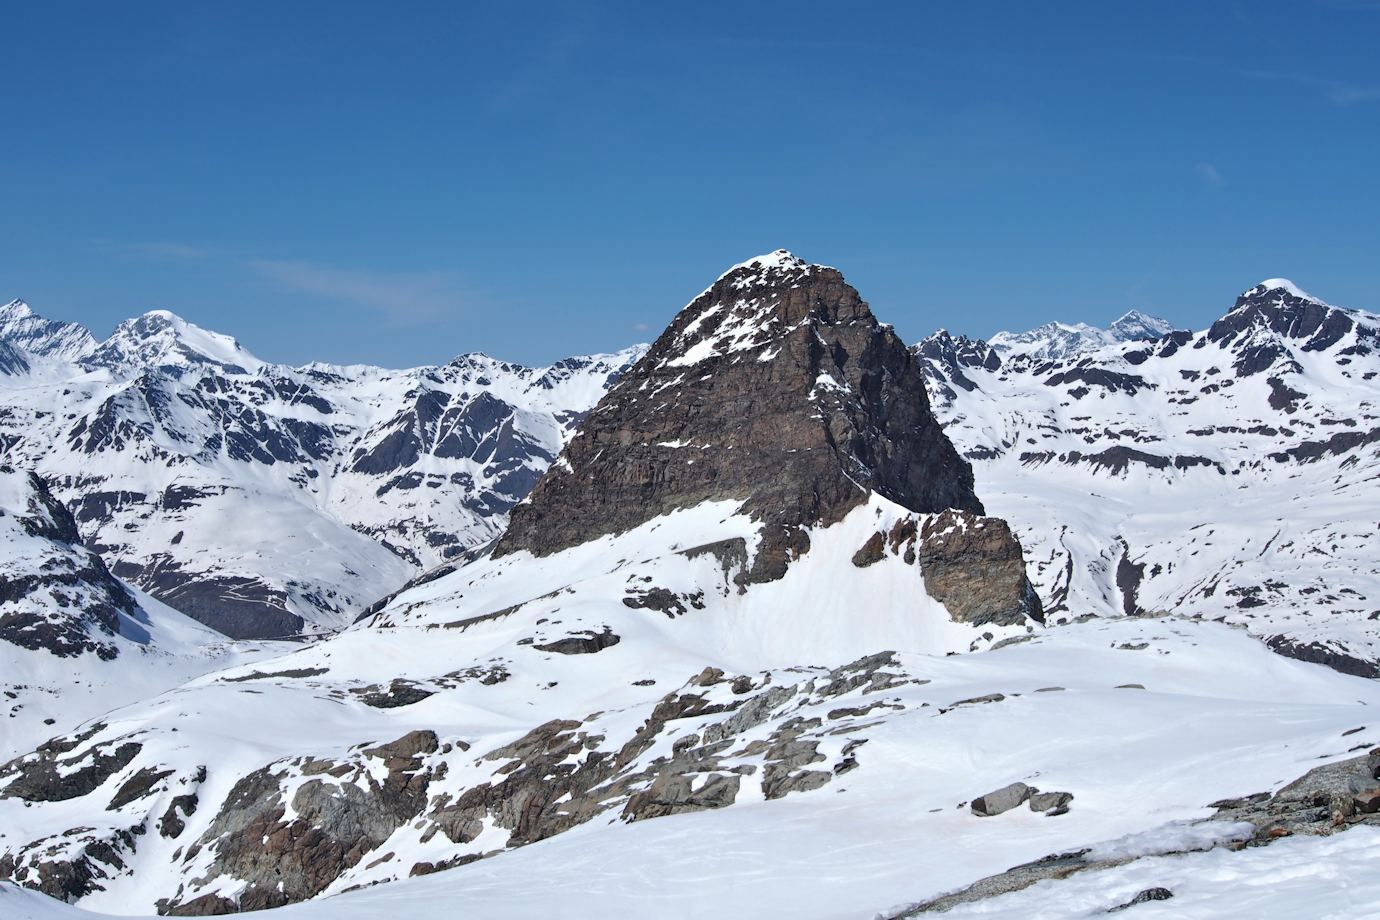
(267, 500)
(1233, 472)
(1058, 341)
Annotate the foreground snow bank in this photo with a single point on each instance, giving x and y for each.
(1312, 877)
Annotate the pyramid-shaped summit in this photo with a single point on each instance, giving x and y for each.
(776, 386)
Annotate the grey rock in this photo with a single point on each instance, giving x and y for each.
(586, 643)
(1149, 894)
(1000, 800)
(1051, 803)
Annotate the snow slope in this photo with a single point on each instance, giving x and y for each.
(74, 641)
(1219, 716)
(1320, 878)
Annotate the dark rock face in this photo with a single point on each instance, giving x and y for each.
(973, 565)
(48, 776)
(1098, 377)
(63, 601)
(12, 360)
(776, 387)
(586, 643)
(975, 568)
(1267, 312)
(1334, 656)
(239, 607)
(948, 355)
(1149, 894)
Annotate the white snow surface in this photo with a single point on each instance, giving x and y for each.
(1306, 878)
(1299, 878)
(1289, 287)
(1219, 716)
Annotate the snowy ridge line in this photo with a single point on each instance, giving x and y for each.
(1223, 474)
(267, 500)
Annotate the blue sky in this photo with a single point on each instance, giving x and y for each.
(398, 183)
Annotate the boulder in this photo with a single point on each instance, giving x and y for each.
(1001, 800)
(1051, 803)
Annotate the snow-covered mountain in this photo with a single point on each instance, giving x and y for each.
(592, 626)
(267, 500)
(26, 330)
(1057, 341)
(75, 642)
(1230, 474)
(673, 667)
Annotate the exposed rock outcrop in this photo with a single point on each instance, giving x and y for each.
(972, 565)
(776, 387)
(1000, 801)
(338, 816)
(56, 595)
(975, 568)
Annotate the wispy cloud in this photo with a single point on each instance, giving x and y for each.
(405, 297)
(158, 250)
(1338, 92)
(1208, 173)
(641, 327)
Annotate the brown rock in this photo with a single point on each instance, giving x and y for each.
(973, 566)
(788, 395)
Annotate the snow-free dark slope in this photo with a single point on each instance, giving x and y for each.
(776, 386)
(1228, 474)
(267, 500)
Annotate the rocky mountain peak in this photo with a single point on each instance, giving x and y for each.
(944, 357)
(161, 338)
(958, 350)
(754, 303)
(1050, 341)
(1059, 341)
(1276, 315)
(1135, 326)
(776, 387)
(24, 329)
